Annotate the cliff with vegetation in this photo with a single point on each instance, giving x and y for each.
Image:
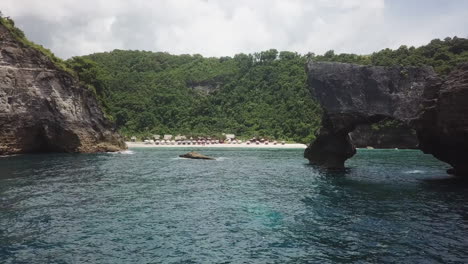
(43, 107)
(261, 94)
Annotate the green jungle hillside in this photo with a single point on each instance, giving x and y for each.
(262, 94)
(148, 93)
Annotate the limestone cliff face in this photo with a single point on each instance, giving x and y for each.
(43, 108)
(353, 95)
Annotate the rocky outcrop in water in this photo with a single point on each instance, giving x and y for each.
(195, 155)
(353, 95)
(44, 109)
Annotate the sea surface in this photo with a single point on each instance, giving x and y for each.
(248, 206)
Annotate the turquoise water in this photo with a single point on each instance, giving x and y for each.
(249, 206)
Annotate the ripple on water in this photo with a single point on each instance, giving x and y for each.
(124, 152)
(256, 206)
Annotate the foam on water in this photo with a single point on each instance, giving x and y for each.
(124, 152)
(11, 155)
(414, 171)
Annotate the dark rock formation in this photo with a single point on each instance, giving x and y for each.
(386, 137)
(442, 126)
(43, 108)
(353, 95)
(195, 155)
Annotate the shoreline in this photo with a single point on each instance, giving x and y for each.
(242, 145)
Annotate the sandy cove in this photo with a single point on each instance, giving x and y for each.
(242, 145)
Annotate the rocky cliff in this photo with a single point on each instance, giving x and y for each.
(43, 108)
(442, 126)
(353, 95)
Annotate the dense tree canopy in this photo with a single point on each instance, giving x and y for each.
(261, 94)
(443, 55)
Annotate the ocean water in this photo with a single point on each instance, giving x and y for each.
(248, 206)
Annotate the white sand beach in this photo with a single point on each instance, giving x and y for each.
(242, 145)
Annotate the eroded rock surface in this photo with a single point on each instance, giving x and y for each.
(43, 108)
(353, 95)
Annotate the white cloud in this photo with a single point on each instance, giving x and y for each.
(224, 27)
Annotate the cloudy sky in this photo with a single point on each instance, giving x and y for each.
(227, 27)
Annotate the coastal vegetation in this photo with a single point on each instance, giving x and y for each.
(262, 94)
(442, 55)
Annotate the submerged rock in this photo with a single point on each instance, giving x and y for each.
(354, 95)
(195, 155)
(44, 108)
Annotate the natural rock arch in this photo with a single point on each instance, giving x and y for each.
(352, 95)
